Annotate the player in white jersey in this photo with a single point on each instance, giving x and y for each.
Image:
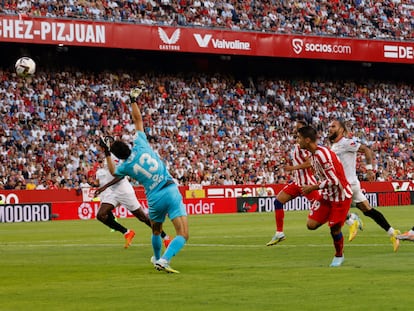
(347, 150)
(302, 175)
(120, 193)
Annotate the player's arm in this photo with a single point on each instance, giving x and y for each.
(137, 117)
(135, 111)
(302, 166)
(105, 146)
(106, 186)
(368, 161)
(110, 163)
(330, 176)
(309, 188)
(331, 180)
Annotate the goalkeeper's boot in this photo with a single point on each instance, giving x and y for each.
(153, 260)
(337, 261)
(129, 235)
(163, 265)
(395, 241)
(278, 237)
(406, 236)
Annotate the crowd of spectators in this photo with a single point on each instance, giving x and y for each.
(373, 19)
(209, 128)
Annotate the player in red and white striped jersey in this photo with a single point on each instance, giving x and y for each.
(335, 190)
(302, 175)
(331, 175)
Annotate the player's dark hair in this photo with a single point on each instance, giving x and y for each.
(308, 132)
(120, 149)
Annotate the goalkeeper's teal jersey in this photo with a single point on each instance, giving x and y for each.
(145, 166)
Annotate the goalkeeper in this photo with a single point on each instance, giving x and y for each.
(114, 192)
(143, 164)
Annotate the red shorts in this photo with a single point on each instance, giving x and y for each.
(294, 190)
(332, 212)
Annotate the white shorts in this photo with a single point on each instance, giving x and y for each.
(357, 195)
(115, 198)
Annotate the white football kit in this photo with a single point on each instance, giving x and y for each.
(121, 193)
(346, 149)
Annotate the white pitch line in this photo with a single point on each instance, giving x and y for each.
(18, 245)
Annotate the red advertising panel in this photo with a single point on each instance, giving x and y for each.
(272, 190)
(394, 198)
(89, 210)
(61, 195)
(82, 211)
(189, 193)
(392, 186)
(220, 192)
(210, 206)
(200, 40)
(35, 196)
(27, 205)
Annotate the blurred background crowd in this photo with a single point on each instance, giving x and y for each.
(210, 129)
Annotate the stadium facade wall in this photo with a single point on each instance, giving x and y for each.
(64, 32)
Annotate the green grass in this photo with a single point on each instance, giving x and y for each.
(80, 265)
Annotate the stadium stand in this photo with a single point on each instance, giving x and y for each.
(214, 127)
(379, 19)
(209, 128)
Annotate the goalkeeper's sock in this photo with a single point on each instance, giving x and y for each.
(156, 245)
(175, 246)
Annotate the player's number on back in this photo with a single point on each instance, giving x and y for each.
(315, 205)
(146, 165)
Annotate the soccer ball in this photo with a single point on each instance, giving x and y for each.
(25, 66)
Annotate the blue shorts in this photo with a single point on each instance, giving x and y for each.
(167, 200)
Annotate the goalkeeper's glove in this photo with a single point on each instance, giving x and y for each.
(105, 143)
(137, 91)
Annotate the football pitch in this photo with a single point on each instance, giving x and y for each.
(81, 265)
